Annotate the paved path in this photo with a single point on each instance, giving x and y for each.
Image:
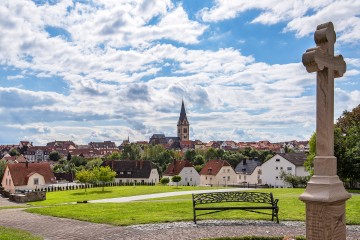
(166, 194)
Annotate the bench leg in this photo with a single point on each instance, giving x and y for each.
(194, 216)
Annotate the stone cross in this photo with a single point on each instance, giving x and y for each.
(325, 194)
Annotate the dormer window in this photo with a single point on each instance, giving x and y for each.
(128, 173)
(277, 160)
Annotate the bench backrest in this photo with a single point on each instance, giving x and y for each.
(217, 197)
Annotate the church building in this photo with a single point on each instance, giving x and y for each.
(183, 130)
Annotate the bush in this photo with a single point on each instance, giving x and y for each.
(164, 181)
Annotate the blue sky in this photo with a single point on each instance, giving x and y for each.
(105, 70)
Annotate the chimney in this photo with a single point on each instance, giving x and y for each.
(244, 161)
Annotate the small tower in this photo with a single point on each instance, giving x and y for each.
(183, 125)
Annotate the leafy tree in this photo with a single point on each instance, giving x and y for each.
(198, 167)
(164, 181)
(96, 162)
(114, 156)
(131, 152)
(309, 163)
(199, 160)
(78, 161)
(294, 181)
(211, 154)
(14, 152)
(2, 168)
(104, 175)
(176, 179)
(85, 176)
(54, 156)
(190, 155)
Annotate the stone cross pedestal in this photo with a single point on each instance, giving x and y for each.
(325, 194)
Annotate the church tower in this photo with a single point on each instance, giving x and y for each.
(183, 125)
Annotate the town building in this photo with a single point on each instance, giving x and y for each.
(27, 176)
(183, 126)
(249, 172)
(292, 163)
(218, 173)
(130, 171)
(185, 169)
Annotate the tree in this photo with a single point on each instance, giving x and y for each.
(131, 152)
(104, 175)
(68, 156)
(199, 160)
(14, 152)
(114, 156)
(78, 161)
(164, 181)
(294, 181)
(96, 162)
(309, 163)
(85, 176)
(176, 179)
(2, 168)
(54, 156)
(190, 155)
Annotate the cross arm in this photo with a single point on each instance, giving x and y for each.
(315, 60)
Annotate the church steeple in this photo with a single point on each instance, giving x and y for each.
(183, 124)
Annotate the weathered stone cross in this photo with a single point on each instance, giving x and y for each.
(325, 194)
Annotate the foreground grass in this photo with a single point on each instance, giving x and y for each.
(15, 234)
(179, 208)
(59, 197)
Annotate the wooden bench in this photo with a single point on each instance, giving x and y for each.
(221, 197)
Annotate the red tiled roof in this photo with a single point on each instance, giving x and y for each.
(175, 167)
(212, 167)
(20, 173)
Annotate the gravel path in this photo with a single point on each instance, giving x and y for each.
(52, 228)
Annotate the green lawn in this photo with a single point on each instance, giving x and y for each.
(110, 192)
(15, 234)
(180, 209)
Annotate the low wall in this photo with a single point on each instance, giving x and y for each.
(28, 197)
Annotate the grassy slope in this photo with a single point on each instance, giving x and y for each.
(14, 234)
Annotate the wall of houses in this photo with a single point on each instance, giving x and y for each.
(153, 178)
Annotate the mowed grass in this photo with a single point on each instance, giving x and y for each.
(60, 197)
(172, 209)
(15, 234)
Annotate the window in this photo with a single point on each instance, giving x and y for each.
(277, 160)
(239, 177)
(128, 172)
(6, 182)
(142, 181)
(36, 181)
(228, 170)
(223, 170)
(206, 178)
(277, 177)
(228, 178)
(276, 168)
(190, 179)
(185, 179)
(244, 178)
(289, 168)
(185, 130)
(121, 172)
(281, 168)
(8, 173)
(9, 181)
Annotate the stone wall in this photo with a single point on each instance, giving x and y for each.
(28, 197)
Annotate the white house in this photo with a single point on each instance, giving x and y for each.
(27, 176)
(128, 171)
(249, 171)
(185, 169)
(218, 173)
(288, 162)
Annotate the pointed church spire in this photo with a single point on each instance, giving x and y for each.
(183, 124)
(182, 114)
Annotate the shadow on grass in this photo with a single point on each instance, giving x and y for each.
(90, 193)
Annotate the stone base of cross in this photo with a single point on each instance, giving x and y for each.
(325, 195)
